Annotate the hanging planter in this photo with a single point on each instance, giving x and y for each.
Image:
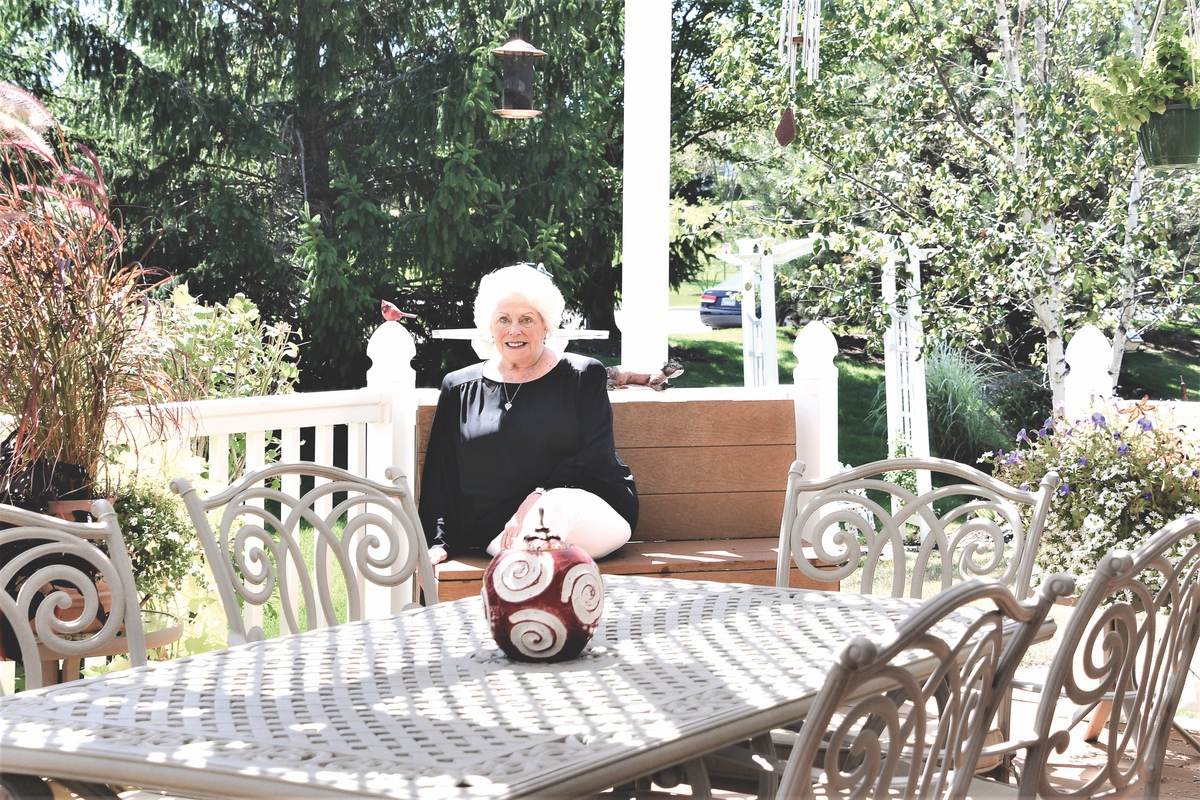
(1171, 140)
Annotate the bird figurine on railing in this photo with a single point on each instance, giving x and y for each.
(623, 379)
(392, 313)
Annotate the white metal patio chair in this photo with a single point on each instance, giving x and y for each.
(874, 533)
(1125, 653)
(49, 597)
(968, 525)
(877, 731)
(366, 541)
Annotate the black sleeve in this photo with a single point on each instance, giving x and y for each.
(596, 466)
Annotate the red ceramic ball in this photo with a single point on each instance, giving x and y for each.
(543, 599)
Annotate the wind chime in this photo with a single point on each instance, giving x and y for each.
(799, 25)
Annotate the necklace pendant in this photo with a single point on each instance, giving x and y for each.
(508, 406)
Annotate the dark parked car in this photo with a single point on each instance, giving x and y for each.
(721, 306)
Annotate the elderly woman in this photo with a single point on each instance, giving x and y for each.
(530, 428)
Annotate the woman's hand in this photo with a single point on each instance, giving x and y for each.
(437, 554)
(513, 528)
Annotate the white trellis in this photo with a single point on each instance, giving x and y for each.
(904, 369)
(757, 259)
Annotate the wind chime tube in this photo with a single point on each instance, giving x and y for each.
(812, 39)
(792, 15)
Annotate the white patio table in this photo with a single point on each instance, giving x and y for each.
(424, 704)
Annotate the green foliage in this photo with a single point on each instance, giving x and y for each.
(369, 123)
(1126, 472)
(159, 536)
(73, 320)
(926, 130)
(1018, 399)
(228, 350)
(961, 424)
(1130, 91)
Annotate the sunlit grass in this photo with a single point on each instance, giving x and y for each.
(271, 618)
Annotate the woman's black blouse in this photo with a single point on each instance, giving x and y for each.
(483, 460)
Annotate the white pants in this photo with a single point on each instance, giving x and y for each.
(580, 518)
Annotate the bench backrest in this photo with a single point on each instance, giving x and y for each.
(705, 468)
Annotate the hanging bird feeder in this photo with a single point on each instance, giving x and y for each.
(516, 59)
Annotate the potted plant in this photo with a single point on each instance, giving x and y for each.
(74, 325)
(1126, 472)
(1156, 96)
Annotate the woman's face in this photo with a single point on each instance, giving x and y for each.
(518, 331)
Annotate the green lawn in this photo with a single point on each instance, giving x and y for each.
(714, 358)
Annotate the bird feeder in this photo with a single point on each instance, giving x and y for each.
(516, 58)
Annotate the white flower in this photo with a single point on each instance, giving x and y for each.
(1093, 524)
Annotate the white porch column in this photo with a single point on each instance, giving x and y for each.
(647, 178)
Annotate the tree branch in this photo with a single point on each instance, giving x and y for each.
(959, 116)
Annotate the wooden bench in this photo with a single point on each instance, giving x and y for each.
(711, 467)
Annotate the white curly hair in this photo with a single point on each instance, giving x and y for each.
(531, 283)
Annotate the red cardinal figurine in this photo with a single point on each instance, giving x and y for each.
(390, 312)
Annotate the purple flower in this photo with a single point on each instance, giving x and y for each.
(1024, 487)
(1064, 490)
(1196, 473)
(1147, 496)
(1023, 437)
(1123, 449)
(1082, 461)
(1048, 425)
(1098, 420)
(1145, 424)
(1116, 436)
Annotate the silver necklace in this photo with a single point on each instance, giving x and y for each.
(508, 400)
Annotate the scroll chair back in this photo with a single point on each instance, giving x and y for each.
(878, 730)
(1129, 642)
(969, 525)
(43, 562)
(366, 541)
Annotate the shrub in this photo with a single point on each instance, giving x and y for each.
(158, 533)
(1018, 400)
(219, 351)
(960, 423)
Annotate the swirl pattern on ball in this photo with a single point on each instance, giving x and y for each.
(537, 634)
(584, 590)
(524, 574)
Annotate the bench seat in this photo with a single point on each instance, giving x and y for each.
(731, 561)
(711, 467)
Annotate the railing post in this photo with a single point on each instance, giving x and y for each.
(1087, 356)
(392, 440)
(816, 396)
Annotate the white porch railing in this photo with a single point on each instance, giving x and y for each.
(379, 421)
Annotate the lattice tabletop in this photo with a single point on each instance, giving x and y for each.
(425, 705)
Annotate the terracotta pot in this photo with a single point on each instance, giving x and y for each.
(76, 608)
(70, 510)
(543, 599)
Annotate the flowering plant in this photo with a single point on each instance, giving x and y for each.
(1126, 471)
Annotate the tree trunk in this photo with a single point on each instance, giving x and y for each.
(311, 139)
